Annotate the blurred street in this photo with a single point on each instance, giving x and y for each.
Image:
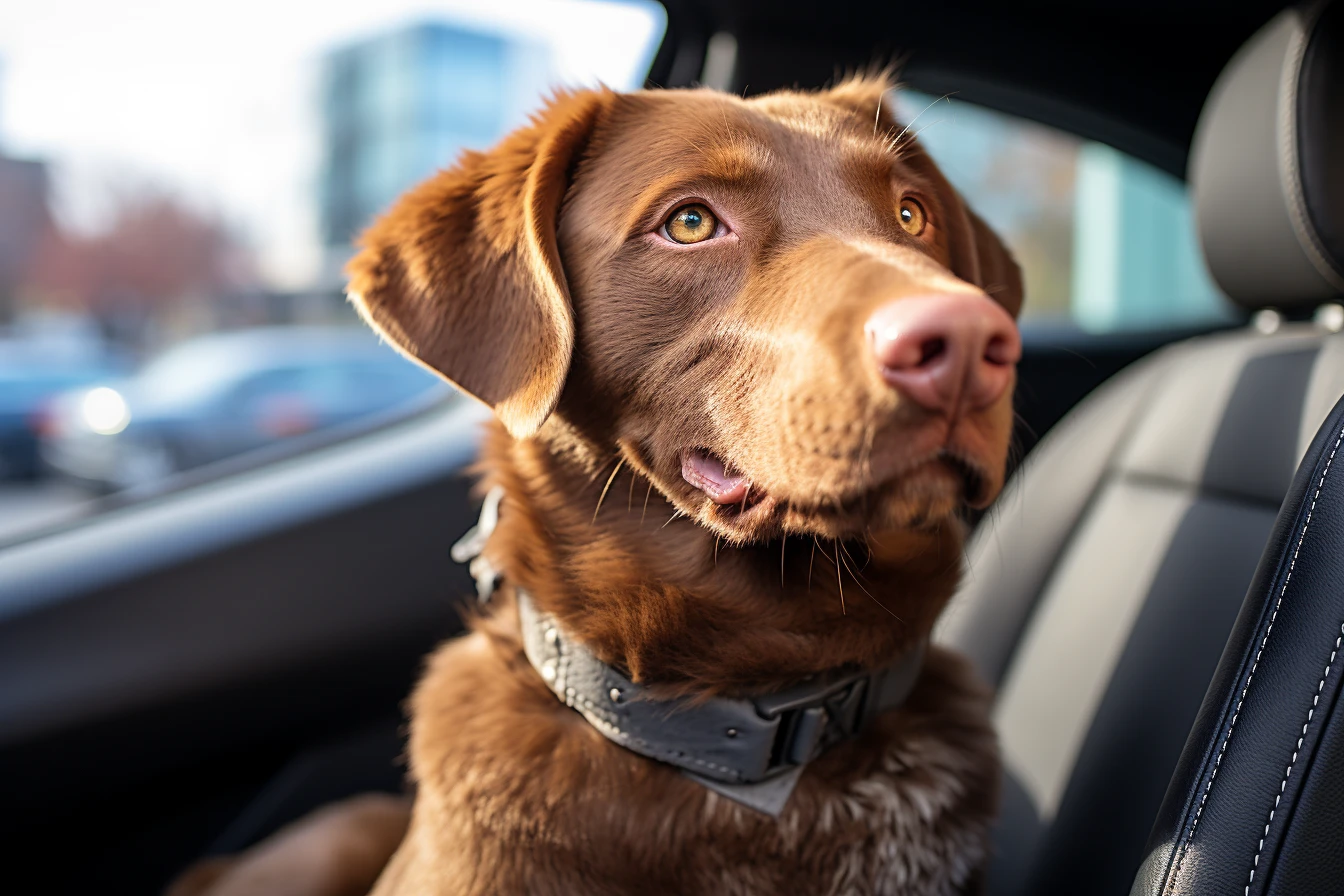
(29, 506)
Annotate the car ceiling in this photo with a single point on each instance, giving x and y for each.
(1133, 74)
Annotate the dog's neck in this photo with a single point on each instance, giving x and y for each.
(662, 598)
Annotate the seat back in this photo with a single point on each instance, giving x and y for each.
(1102, 588)
(1257, 801)
(1256, 805)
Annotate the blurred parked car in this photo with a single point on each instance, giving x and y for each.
(220, 395)
(27, 387)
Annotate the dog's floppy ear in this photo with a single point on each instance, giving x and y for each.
(976, 254)
(463, 273)
(990, 265)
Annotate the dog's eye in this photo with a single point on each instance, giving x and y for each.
(913, 218)
(691, 224)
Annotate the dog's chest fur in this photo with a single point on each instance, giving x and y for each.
(517, 794)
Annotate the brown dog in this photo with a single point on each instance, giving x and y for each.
(749, 359)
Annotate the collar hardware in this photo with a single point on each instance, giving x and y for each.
(750, 750)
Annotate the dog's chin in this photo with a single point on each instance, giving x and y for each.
(929, 494)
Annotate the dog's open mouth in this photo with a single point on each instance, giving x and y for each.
(711, 474)
(930, 489)
(925, 492)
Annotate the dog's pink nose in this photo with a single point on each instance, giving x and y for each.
(946, 352)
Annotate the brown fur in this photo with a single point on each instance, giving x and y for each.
(532, 276)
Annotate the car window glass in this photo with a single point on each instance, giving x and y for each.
(1105, 241)
(192, 371)
(371, 381)
(256, 387)
(176, 213)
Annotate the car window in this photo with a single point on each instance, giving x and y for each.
(339, 385)
(377, 382)
(1104, 240)
(175, 213)
(257, 387)
(191, 372)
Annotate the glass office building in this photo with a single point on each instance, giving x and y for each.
(401, 105)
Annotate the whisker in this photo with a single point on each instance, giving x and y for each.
(885, 607)
(908, 124)
(854, 560)
(646, 504)
(840, 581)
(840, 545)
(882, 98)
(824, 555)
(810, 561)
(784, 540)
(610, 479)
(1081, 357)
(630, 498)
(915, 136)
(856, 578)
(675, 514)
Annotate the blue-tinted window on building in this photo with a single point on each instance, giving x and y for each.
(1104, 240)
(399, 105)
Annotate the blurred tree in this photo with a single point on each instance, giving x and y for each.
(157, 258)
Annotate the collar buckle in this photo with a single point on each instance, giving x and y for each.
(812, 720)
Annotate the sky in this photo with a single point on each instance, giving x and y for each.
(217, 100)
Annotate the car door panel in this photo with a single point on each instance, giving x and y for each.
(202, 639)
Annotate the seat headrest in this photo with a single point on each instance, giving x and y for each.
(1267, 164)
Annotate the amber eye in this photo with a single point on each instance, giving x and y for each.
(913, 218)
(691, 224)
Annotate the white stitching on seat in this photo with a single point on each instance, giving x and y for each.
(1292, 564)
(1315, 698)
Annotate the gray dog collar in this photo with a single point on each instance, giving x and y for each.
(751, 751)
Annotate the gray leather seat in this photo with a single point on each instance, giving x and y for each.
(1103, 586)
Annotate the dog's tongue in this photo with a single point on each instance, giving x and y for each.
(707, 473)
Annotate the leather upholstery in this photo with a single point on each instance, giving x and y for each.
(1121, 553)
(1310, 860)
(1267, 164)
(1321, 120)
(1103, 585)
(1267, 739)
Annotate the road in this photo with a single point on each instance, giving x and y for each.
(25, 507)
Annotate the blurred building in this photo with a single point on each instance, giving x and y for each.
(1103, 239)
(399, 106)
(1137, 261)
(24, 221)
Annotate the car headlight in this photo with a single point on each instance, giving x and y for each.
(105, 411)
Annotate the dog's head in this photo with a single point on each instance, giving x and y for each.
(776, 309)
